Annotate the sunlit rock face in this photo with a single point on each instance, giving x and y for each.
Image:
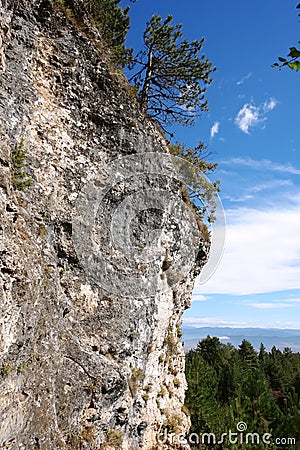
(92, 289)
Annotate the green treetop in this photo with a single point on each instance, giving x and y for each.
(113, 23)
(171, 74)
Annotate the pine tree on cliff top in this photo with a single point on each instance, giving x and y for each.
(171, 74)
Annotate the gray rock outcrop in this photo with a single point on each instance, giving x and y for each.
(84, 365)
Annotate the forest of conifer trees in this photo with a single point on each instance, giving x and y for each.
(228, 386)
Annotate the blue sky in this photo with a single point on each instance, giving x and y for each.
(252, 130)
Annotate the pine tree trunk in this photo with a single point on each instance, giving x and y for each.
(147, 82)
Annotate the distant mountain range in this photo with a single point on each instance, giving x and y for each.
(268, 336)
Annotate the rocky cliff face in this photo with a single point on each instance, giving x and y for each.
(85, 364)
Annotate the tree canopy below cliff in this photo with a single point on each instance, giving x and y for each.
(228, 386)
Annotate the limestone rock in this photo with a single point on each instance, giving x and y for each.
(82, 366)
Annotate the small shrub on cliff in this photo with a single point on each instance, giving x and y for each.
(20, 178)
(113, 23)
(162, 391)
(135, 379)
(114, 437)
(111, 20)
(145, 397)
(5, 370)
(176, 382)
(61, 5)
(170, 342)
(172, 424)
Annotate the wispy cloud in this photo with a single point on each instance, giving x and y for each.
(269, 105)
(275, 304)
(239, 199)
(251, 116)
(263, 164)
(199, 298)
(270, 305)
(273, 184)
(199, 322)
(213, 322)
(252, 190)
(214, 129)
(262, 252)
(245, 78)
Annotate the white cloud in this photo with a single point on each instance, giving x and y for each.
(282, 303)
(245, 78)
(247, 117)
(273, 184)
(250, 115)
(262, 252)
(270, 305)
(199, 322)
(213, 322)
(270, 104)
(214, 129)
(251, 191)
(249, 195)
(199, 298)
(263, 164)
(240, 199)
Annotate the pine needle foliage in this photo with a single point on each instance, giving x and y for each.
(20, 178)
(171, 74)
(113, 22)
(228, 386)
(202, 193)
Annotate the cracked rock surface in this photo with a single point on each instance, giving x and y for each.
(82, 366)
